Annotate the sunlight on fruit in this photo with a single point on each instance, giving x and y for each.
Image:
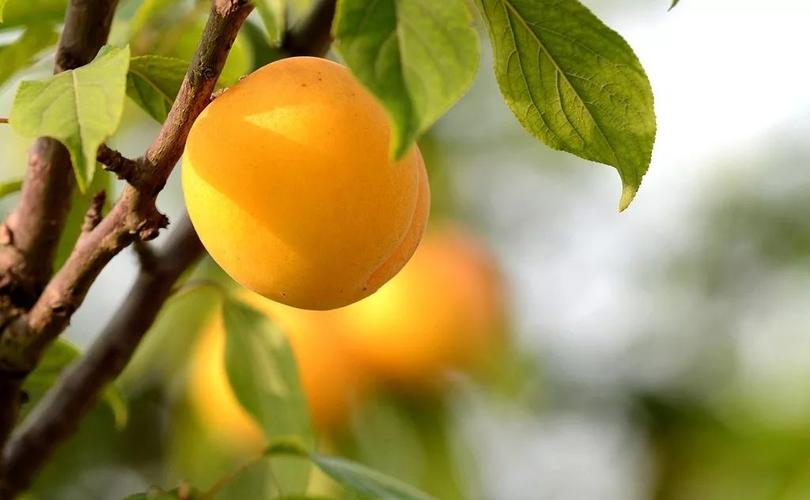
(288, 181)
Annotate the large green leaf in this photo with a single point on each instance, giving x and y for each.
(417, 56)
(153, 83)
(80, 108)
(274, 17)
(56, 358)
(574, 83)
(263, 373)
(19, 54)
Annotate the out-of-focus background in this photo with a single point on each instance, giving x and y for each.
(661, 353)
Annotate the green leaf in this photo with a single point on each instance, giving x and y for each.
(274, 17)
(418, 57)
(674, 3)
(146, 11)
(360, 479)
(153, 83)
(11, 186)
(367, 483)
(2, 8)
(56, 358)
(80, 108)
(574, 83)
(181, 42)
(20, 53)
(263, 373)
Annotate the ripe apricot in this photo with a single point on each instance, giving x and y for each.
(289, 183)
(444, 309)
(329, 379)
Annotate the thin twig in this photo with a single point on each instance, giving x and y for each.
(113, 161)
(94, 212)
(3, 119)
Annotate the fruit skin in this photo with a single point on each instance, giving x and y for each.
(329, 379)
(289, 183)
(444, 309)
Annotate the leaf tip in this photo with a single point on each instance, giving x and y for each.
(628, 193)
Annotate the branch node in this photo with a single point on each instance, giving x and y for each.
(124, 168)
(94, 212)
(226, 7)
(150, 227)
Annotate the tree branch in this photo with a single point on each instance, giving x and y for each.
(57, 416)
(134, 217)
(30, 235)
(34, 227)
(76, 391)
(113, 161)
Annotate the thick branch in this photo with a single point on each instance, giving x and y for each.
(58, 415)
(33, 229)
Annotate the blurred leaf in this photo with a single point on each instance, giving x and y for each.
(20, 53)
(274, 16)
(367, 483)
(2, 7)
(180, 493)
(262, 52)
(8, 187)
(30, 12)
(674, 3)
(147, 10)
(181, 42)
(56, 358)
(304, 497)
(262, 371)
(417, 57)
(80, 108)
(153, 83)
(574, 83)
(298, 9)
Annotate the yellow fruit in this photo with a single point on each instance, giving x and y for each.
(328, 378)
(289, 183)
(445, 308)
